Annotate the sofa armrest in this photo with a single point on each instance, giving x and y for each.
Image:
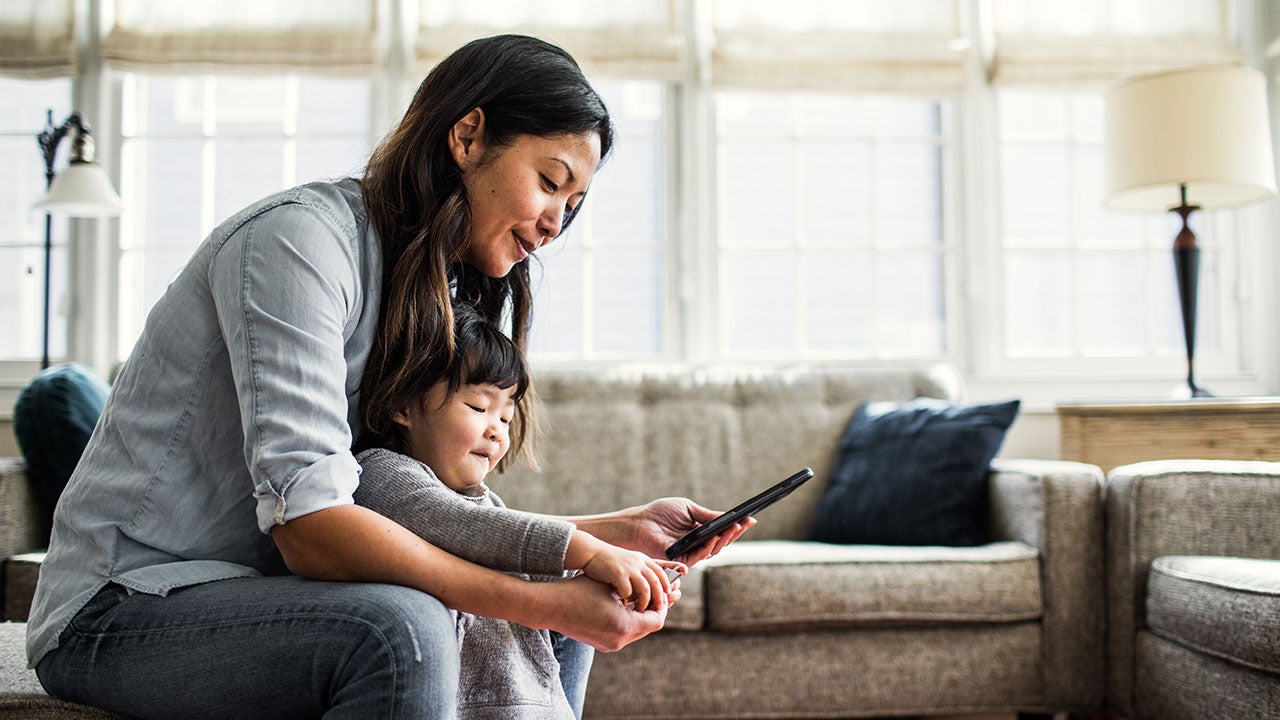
(23, 523)
(1177, 507)
(1056, 507)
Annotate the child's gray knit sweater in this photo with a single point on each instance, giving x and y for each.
(508, 670)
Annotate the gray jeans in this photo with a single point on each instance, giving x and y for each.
(279, 647)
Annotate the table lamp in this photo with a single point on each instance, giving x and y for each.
(1182, 141)
(82, 190)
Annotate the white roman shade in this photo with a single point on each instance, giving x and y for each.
(257, 36)
(862, 46)
(619, 38)
(1093, 43)
(37, 38)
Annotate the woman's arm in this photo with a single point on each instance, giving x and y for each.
(652, 528)
(355, 544)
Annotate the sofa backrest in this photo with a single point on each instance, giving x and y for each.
(614, 439)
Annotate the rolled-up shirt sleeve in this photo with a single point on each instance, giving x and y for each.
(285, 285)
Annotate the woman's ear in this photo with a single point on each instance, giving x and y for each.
(466, 138)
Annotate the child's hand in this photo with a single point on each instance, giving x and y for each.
(637, 580)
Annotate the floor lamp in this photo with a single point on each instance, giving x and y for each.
(81, 190)
(1187, 140)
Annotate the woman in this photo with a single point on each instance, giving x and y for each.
(207, 559)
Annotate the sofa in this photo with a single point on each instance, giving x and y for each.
(1193, 558)
(780, 627)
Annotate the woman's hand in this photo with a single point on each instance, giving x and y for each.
(662, 522)
(588, 611)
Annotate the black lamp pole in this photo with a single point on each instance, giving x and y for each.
(1186, 264)
(49, 140)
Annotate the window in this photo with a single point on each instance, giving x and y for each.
(24, 105)
(198, 149)
(602, 289)
(813, 181)
(830, 226)
(1104, 279)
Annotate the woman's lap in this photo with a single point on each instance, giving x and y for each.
(261, 647)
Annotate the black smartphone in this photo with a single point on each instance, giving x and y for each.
(701, 534)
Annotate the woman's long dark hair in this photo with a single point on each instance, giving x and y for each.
(417, 204)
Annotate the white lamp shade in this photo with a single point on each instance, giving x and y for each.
(1206, 128)
(82, 190)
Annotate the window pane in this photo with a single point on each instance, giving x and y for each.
(907, 190)
(170, 189)
(24, 110)
(558, 302)
(330, 158)
(148, 275)
(628, 303)
(839, 293)
(909, 287)
(761, 300)
(24, 105)
(843, 182)
(251, 106)
(22, 286)
(758, 181)
(207, 147)
(626, 195)
(333, 106)
(1033, 182)
(246, 171)
(837, 203)
(22, 184)
(1114, 299)
(1038, 299)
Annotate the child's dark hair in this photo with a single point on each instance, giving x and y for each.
(484, 356)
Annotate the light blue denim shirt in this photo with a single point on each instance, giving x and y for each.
(233, 414)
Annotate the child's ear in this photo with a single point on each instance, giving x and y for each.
(401, 418)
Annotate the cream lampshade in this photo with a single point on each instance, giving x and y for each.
(1185, 140)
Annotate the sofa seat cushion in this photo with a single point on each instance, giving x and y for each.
(789, 585)
(1226, 607)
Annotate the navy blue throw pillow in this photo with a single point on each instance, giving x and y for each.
(913, 473)
(53, 419)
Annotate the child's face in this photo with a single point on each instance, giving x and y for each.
(461, 438)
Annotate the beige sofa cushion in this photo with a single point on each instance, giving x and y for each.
(1223, 606)
(792, 585)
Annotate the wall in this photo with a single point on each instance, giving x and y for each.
(8, 443)
(1034, 435)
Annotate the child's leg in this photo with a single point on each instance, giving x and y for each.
(575, 665)
(276, 647)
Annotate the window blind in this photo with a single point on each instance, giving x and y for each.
(1090, 43)
(37, 38)
(257, 36)
(610, 37)
(862, 46)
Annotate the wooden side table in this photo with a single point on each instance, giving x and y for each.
(1111, 434)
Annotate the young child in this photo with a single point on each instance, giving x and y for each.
(428, 475)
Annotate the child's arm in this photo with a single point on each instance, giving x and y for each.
(498, 538)
(634, 576)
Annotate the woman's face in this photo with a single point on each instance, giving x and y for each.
(520, 194)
